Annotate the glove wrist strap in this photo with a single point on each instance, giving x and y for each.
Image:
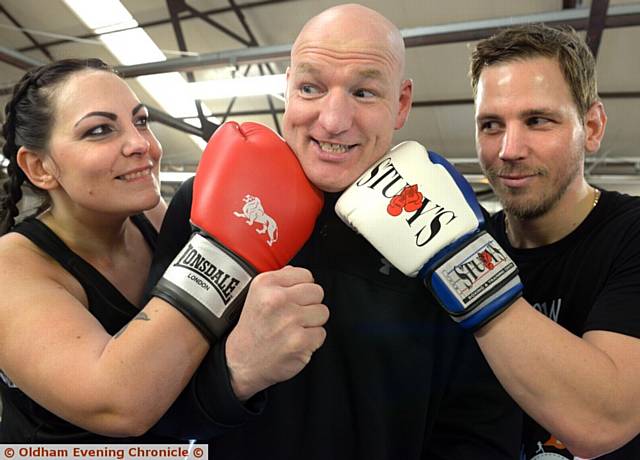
(476, 282)
(206, 283)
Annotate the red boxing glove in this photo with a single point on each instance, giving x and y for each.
(253, 209)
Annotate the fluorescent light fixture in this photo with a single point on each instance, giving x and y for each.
(238, 87)
(102, 16)
(134, 46)
(170, 90)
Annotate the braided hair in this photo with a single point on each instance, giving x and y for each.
(28, 122)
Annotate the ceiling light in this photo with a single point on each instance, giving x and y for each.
(238, 87)
(102, 16)
(134, 46)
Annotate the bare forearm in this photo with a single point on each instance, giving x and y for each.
(138, 374)
(565, 383)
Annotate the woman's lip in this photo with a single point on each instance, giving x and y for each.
(146, 171)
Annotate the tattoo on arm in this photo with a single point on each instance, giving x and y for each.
(140, 316)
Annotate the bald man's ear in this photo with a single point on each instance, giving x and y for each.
(595, 122)
(39, 169)
(406, 98)
(286, 88)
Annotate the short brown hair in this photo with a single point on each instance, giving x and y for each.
(538, 40)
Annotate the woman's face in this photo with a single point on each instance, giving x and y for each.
(103, 154)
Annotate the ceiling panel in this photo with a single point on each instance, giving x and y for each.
(439, 72)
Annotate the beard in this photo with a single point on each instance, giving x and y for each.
(527, 204)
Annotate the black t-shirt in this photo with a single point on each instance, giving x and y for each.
(589, 280)
(25, 421)
(395, 379)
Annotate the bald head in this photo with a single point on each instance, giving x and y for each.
(345, 94)
(352, 28)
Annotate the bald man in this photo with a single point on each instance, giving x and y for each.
(395, 377)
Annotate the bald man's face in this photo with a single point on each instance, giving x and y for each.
(345, 98)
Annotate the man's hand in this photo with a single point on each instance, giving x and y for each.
(280, 327)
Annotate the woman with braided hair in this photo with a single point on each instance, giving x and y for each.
(81, 359)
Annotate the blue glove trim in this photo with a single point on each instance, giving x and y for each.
(475, 282)
(461, 182)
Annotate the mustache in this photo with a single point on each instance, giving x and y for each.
(511, 170)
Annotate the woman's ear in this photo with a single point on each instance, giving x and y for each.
(38, 170)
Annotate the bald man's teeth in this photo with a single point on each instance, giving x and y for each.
(333, 148)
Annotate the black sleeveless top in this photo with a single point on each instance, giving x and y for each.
(25, 421)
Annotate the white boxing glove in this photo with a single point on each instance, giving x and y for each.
(423, 217)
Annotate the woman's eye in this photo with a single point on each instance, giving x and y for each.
(99, 130)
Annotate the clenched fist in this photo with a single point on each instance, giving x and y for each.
(280, 327)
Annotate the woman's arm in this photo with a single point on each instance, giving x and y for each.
(58, 353)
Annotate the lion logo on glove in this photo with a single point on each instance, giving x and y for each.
(254, 212)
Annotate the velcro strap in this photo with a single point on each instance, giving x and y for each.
(209, 274)
(475, 273)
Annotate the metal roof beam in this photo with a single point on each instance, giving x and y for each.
(240, 15)
(176, 7)
(17, 59)
(570, 4)
(216, 24)
(428, 103)
(30, 37)
(597, 18)
(144, 25)
(234, 98)
(618, 16)
(167, 120)
(272, 108)
(223, 58)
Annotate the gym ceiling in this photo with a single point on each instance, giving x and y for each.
(222, 39)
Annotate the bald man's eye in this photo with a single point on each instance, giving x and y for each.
(363, 93)
(309, 90)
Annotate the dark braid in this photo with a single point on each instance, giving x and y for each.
(11, 187)
(28, 122)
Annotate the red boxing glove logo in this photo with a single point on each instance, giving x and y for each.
(254, 212)
(396, 204)
(413, 198)
(409, 199)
